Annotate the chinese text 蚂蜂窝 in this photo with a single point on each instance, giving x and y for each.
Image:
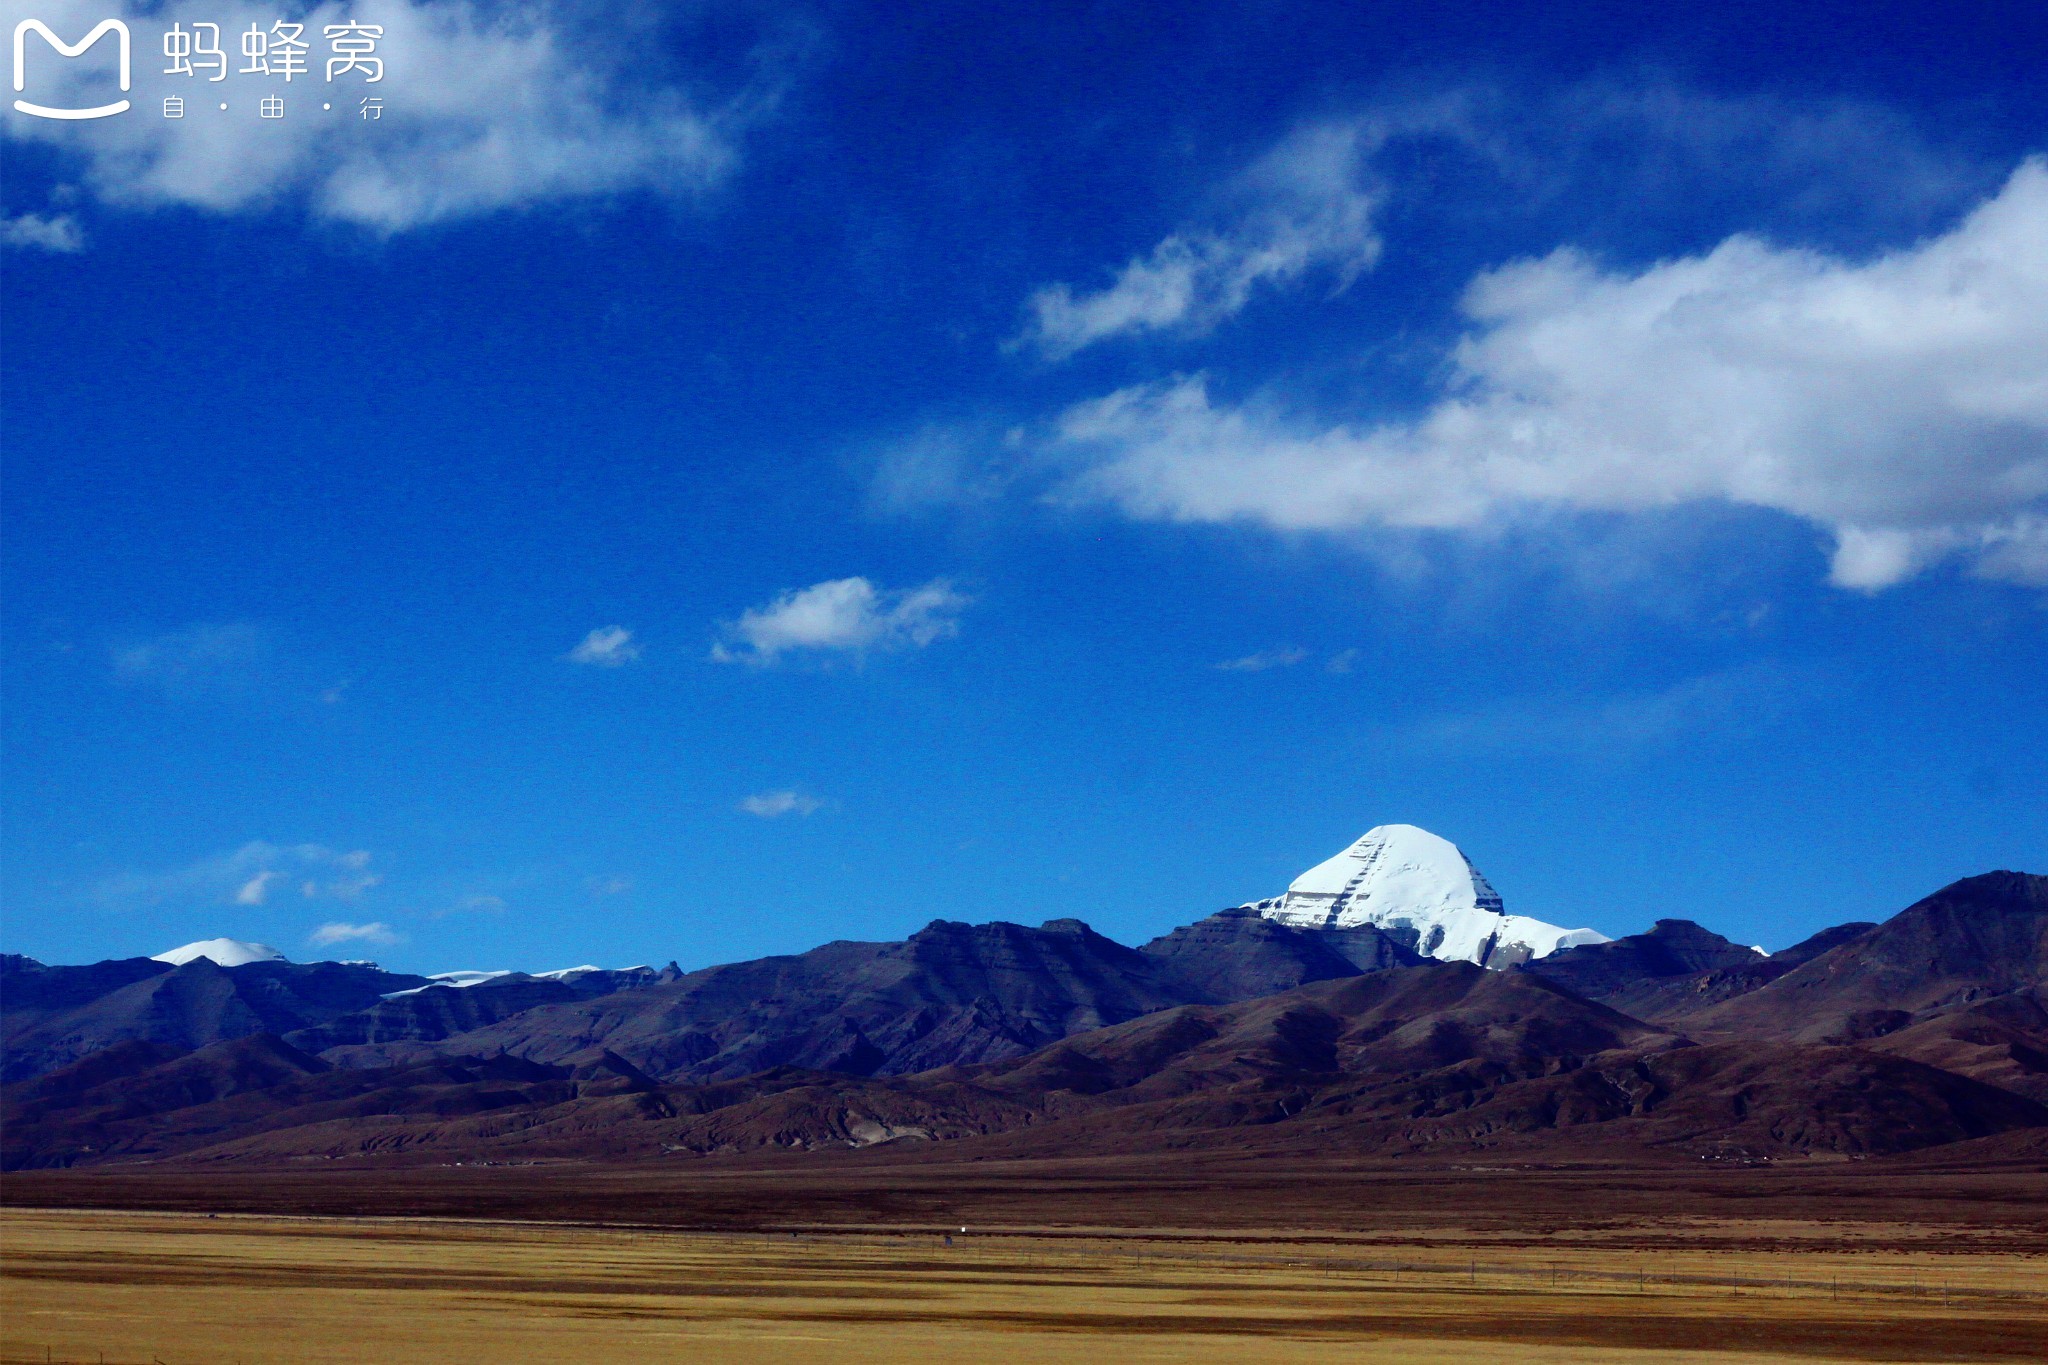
(280, 50)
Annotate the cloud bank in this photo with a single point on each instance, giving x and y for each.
(1901, 403)
(484, 107)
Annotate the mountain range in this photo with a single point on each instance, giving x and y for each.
(1379, 1023)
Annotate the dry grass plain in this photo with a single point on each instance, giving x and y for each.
(262, 1289)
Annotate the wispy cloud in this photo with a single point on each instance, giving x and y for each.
(1639, 149)
(606, 647)
(844, 616)
(337, 931)
(345, 876)
(203, 658)
(473, 903)
(776, 804)
(251, 875)
(484, 107)
(1899, 403)
(256, 890)
(1262, 661)
(942, 464)
(1303, 206)
(58, 232)
(609, 886)
(1622, 724)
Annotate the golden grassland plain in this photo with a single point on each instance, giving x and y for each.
(87, 1285)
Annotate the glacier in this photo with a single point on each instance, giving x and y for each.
(1420, 889)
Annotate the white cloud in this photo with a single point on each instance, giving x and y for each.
(59, 233)
(1901, 403)
(246, 876)
(606, 647)
(1301, 207)
(336, 931)
(774, 805)
(843, 616)
(1343, 661)
(485, 107)
(1262, 661)
(609, 886)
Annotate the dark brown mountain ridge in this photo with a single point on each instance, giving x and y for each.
(1235, 1031)
(1972, 940)
(950, 993)
(1676, 968)
(52, 1016)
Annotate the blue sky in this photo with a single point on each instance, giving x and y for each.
(715, 479)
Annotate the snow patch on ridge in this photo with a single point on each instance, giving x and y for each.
(463, 980)
(1420, 889)
(459, 980)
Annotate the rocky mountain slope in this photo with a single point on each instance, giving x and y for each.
(1240, 1030)
(1442, 1058)
(1971, 941)
(950, 993)
(53, 1016)
(1676, 969)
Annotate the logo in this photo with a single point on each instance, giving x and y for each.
(64, 49)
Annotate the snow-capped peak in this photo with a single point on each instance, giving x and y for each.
(1419, 888)
(225, 952)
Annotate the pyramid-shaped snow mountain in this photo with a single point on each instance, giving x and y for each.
(1419, 889)
(225, 952)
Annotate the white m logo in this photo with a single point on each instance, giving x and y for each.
(64, 49)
